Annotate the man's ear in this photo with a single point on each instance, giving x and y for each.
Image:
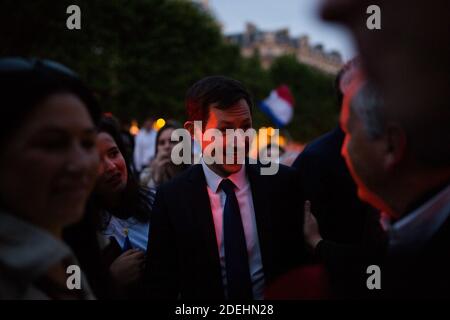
(189, 126)
(395, 146)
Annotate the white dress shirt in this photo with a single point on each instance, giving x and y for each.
(144, 148)
(244, 197)
(411, 233)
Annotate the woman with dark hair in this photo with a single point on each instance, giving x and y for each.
(48, 168)
(124, 208)
(161, 168)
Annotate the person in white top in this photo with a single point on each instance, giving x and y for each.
(145, 145)
(124, 206)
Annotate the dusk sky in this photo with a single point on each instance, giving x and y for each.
(300, 16)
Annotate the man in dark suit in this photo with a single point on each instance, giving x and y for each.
(327, 183)
(350, 232)
(222, 231)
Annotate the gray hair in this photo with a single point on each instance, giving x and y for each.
(367, 103)
(427, 127)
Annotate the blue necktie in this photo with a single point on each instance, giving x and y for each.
(127, 244)
(239, 285)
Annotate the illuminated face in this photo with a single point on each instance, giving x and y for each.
(363, 156)
(49, 167)
(236, 117)
(112, 173)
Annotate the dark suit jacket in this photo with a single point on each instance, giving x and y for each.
(425, 274)
(352, 235)
(327, 182)
(183, 258)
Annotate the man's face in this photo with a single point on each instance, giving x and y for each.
(362, 155)
(236, 117)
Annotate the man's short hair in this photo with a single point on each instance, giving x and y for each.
(368, 103)
(219, 91)
(350, 66)
(427, 127)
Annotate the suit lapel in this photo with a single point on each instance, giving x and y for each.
(202, 216)
(262, 204)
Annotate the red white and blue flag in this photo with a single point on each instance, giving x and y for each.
(279, 106)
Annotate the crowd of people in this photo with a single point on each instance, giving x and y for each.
(78, 190)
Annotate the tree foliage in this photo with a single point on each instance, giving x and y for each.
(140, 57)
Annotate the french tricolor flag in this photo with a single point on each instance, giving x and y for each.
(279, 106)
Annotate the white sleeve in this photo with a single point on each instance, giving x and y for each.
(153, 144)
(138, 152)
(115, 229)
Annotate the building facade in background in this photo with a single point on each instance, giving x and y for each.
(272, 44)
